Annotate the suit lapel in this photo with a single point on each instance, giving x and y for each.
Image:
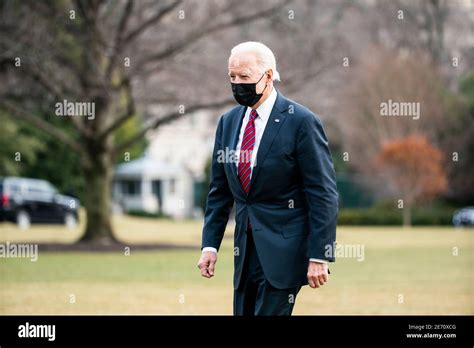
(275, 121)
(237, 124)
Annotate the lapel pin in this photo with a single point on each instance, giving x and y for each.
(277, 120)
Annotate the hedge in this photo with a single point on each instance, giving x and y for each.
(392, 216)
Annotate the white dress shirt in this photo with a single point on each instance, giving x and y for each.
(263, 111)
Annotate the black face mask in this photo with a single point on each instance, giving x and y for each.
(245, 93)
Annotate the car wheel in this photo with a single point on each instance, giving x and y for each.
(70, 221)
(23, 220)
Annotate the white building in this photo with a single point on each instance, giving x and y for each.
(167, 179)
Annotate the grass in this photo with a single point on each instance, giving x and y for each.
(417, 264)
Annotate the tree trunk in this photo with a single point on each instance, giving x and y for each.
(97, 199)
(407, 216)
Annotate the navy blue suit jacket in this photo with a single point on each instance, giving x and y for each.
(292, 203)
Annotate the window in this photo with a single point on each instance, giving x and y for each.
(15, 188)
(50, 188)
(39, 186)
(131, 187)
(156, 187)
(172, 185)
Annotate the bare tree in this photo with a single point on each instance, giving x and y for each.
(387, 78)
(100, 52)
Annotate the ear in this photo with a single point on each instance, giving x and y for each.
(270, 74)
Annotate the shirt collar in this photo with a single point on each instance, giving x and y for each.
(265, 109)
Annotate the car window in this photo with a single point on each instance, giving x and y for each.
(15, 188)
(38, 186)
(51, 188)
(8, 186)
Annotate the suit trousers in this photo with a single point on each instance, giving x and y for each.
(255, 296)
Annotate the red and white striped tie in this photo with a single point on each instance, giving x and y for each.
(246, 150)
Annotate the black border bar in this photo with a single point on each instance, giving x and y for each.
(315, 331)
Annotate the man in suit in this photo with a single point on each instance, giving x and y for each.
(271, 157)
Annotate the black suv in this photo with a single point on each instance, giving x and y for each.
(26, 201)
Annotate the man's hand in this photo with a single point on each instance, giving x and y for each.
(207, 263)
(317, 274)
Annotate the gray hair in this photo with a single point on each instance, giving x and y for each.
(265, 57)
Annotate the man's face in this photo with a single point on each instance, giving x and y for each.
(243, 68)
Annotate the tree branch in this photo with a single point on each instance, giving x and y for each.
(198, 34)
(172, 116)
(127, 114)
(151, 21)
(122, 26)
(51, 86)
(121, 41)
(89, 11)
(16, 113)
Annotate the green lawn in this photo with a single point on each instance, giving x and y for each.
(417, 264)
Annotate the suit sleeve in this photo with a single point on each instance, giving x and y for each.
(219, 199)
(319, 180)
